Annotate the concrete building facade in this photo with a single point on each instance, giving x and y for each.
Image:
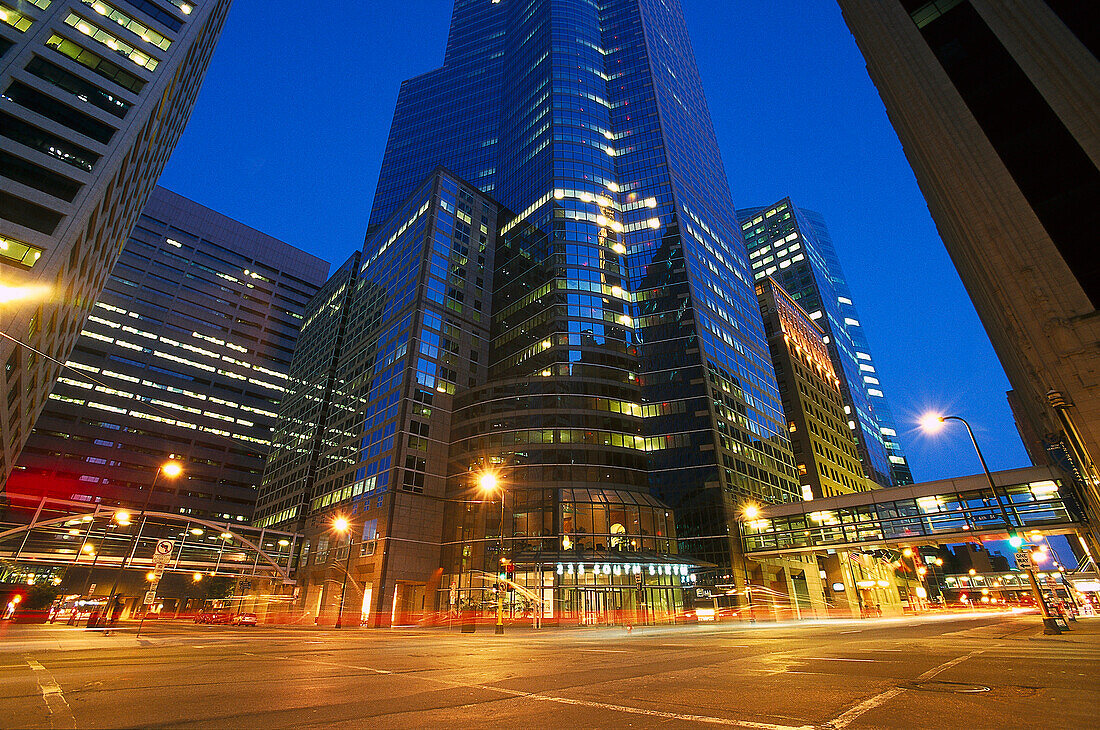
(95, 96)
(996, 106)
(185, 356)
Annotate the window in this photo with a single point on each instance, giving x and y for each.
(30, 215)
(146, 33)
(63, 114)
(112, 42)
(50, 144)
(39, 178)
(101, 66)
(78, 87)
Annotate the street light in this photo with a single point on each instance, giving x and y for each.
(171, 469)
(489, 482)
(342, 526)
(933, 423)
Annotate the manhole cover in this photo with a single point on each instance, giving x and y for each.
(951, 687)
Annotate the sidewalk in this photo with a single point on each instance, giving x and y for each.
(1085, 630)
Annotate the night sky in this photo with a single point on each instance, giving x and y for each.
(288, 134)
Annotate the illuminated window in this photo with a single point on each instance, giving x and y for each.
(14, 18)
(141, 30)
(18, 253)
(103, 67)
(117, 45)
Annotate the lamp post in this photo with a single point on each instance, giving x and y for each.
(343, 527)
(489, 483)
(933, 423)
(170, 469)
(750, 512)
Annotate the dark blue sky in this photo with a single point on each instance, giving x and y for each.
(289, 130)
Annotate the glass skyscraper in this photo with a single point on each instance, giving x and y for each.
(793, 246)
(621, 392)
(621, 275)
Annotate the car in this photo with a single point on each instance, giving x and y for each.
(245, 619)
(213, 617)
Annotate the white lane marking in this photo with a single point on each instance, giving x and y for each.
(658, 713)
(832, 659)
(854, 631)
(850, 715)
(60, 714)
(607, 651)
(947, 665)
(582, 703)
(329, 664)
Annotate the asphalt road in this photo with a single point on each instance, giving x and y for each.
(951, 672)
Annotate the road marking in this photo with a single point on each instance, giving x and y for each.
(947, 665)
(832, 659)
(60, 714)
(850, 715)
(659, 713)
(855, 631)
(607, 651)
(582, 703)
(330, 664)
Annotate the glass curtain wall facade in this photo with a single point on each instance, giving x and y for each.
(621, 276)
(793, 246)
(291, 467)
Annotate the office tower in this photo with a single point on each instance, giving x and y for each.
(291, 467)
(623, 306)
(793, 246)
(995, 104)
(385, 346)
(824, 451)
(185, 355)
(95, 95)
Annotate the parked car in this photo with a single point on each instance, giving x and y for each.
(213, 617)
(245, 619)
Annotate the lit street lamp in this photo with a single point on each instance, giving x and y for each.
(342, 526)
(170, 469)
(933, 423)
(489, 483)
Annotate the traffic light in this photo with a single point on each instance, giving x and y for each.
(510, 569)
(1014, 539)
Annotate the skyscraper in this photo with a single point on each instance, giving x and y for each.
(622, 275)
(824, 450)
(95, 95)
(995, 104)
(618, 376)
(793, 246)
(185, 355)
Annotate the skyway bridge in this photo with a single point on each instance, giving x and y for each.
(949, 511)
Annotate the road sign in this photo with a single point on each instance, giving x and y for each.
(162, 553)
(1023, 560)
(150, 597)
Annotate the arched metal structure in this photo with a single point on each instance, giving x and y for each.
(150, 519)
